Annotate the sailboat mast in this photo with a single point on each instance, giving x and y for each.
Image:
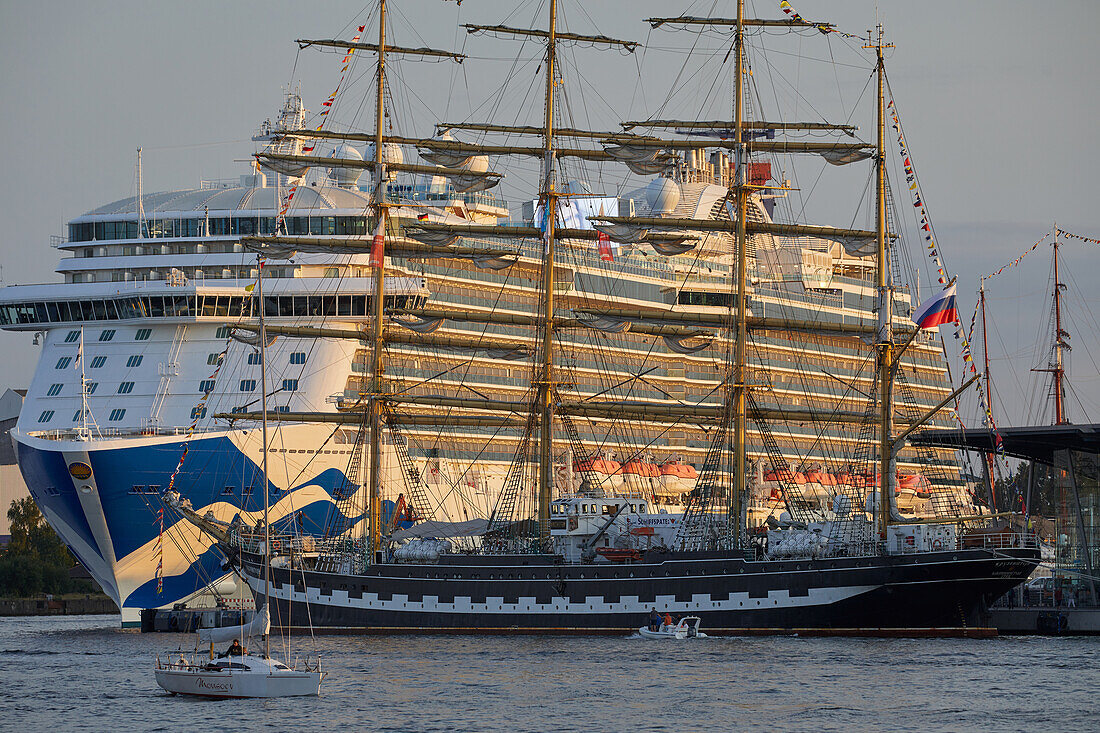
(375, 476)
(263, 435)
(885, 345)
(1059, 366)
(738, 391)
(549, 195)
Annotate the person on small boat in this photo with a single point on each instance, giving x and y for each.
(654, 620)
(235, 650)
(668, 618)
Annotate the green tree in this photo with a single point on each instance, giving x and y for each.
(31, 535)
(36, 560)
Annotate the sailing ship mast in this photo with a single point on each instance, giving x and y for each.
(1058, 369)
(884, 343)
(549, 196)
(1057, 366)
(263, 435)
(374, 404)
(741, 302)
(987, 462)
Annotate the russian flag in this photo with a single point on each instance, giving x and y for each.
(937, 310)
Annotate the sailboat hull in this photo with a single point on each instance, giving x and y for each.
(534, 594)
(249, 677)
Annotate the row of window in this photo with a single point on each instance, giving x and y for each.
(96, 363)
(140, 489)
(298, 357)
(248, 385)
(115, 416)
(205, 386)
(142, 334)
(90, 388)
(200, 226)
(170, 306)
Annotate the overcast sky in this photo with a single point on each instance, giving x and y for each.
(998, 100)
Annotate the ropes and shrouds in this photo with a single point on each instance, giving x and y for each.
(159, 552)
(1016, 262)
(826, 29)
(1064, 233)
(943, 277)
(326, 108)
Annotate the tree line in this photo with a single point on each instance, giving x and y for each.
(36, 561)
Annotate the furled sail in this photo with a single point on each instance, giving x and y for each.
(260, 625)
(677, 344)
(415, 323)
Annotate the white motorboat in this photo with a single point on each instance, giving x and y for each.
(687, 628)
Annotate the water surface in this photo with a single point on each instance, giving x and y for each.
(83, 673)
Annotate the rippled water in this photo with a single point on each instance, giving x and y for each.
(83, 673)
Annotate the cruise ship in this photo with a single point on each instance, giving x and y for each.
(146, 359)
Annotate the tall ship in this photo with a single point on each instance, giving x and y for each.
(564, 548)
(461, 379)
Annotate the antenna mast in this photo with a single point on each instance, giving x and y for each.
(140, 199)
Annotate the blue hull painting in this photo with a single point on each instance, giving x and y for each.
(111, 522)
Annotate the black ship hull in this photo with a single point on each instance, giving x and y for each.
(537, 594)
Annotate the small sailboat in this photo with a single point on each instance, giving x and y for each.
(687, 628)
(236, 673)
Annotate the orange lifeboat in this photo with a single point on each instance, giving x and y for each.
(677, 477)
(607, 471)
(637, 475)
(815, 484)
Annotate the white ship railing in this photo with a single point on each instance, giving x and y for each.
(73, 434)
